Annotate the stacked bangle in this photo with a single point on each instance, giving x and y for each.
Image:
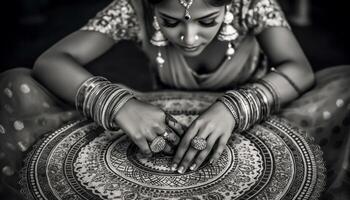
(100, 100)
(275, 100)
(249, 105)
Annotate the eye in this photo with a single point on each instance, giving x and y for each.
(169, 23)
(208, 22)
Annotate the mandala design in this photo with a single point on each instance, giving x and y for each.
(125, 166)
(273, 160)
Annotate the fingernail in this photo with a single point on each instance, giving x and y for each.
(181, 170)
(193, 166)
(173, 167)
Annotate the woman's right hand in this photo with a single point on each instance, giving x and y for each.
(143, 122)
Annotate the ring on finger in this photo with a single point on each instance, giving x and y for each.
(169, 136)
(199, 143)
(158, 144)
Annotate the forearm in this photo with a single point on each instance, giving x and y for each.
(256, 101)
(301, 78)
(61, 74)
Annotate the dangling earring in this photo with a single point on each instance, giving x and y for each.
(228, 32)
(158, 40)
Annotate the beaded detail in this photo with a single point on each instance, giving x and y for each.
(118, 20)
(263, 14)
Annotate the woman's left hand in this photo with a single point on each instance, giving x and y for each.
(215, 125)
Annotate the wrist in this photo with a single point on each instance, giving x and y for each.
(225, 105)
(100, 100)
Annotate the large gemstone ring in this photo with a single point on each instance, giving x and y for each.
(199, 143)
(158, 144)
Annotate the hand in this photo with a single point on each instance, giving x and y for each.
(143, 122)
(215, 125)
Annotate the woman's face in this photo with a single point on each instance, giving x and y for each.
(190, 36)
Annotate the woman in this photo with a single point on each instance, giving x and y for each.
(192, 45)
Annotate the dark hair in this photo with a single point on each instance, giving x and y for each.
(216, 3)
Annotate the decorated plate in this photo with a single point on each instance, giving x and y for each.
(273, 160)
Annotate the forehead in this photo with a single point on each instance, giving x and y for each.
(198, 9)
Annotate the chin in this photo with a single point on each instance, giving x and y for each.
(192, 53)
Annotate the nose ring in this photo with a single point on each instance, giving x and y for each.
(182, 37)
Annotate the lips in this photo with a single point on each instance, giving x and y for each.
(190, 48)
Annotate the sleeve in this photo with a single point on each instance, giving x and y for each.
(118, 20)
(263, 14)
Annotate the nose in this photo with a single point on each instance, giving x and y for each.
(190, 35)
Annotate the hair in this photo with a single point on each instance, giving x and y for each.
(216, 3)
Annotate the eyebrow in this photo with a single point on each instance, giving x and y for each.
(174, 18)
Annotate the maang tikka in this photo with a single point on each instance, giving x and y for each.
(228, 32)
(186, 4)
(158, 40)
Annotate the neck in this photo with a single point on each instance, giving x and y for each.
(210, 59)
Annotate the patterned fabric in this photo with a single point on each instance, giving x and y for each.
(254, 16)
(118, 20)
(264, 14)
(274, 160)
(27, 111)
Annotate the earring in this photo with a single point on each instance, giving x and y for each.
(228, 32)
(159, 40)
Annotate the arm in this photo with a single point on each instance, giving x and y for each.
(285, 54)
(240, 109)
(60, 68)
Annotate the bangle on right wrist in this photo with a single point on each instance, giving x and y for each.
(100, 100)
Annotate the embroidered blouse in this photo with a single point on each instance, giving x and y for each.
(123, 20)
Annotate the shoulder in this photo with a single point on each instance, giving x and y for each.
(118, 20)
(256, 15)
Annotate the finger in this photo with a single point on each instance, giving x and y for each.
(150, 136)
(169, 150)
(174, 124)
(192, 152)
(221, 145)
(184, 144)
(143, 145)
(201, 157)
(171, 137)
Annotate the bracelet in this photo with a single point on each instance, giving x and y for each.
(248, 105)
(100, 100)
(275, 98)
(288, 79)
(230, 107)
(84, 89)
